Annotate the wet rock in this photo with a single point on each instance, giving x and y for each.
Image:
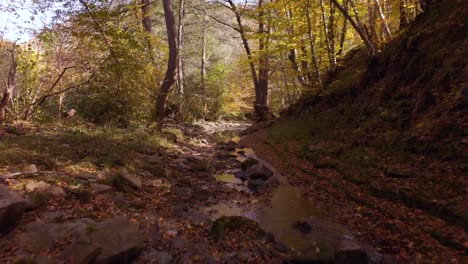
(230, 145)
(348, 251)
(249, 162)
(100, 188)
(255, 185)
(11, 209)
(124, 179)
(30, 169)
(257, 172)
(302, 226)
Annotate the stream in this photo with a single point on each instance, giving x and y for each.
(291, 218)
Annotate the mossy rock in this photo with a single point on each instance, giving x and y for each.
(249, 162)
(235, 223)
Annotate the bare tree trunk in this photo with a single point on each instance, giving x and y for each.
(372, 24)
(293, 54)
(312, 46)
(180, 61)
(325, 30)
(146, 23)
(331, 32)
(357, 26)
(203, 71)
(8, 92)
(171, 71)
(245, 42)
(386, 30)
(343, 31)
(261, 94)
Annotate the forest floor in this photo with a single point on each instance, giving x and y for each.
(391, 200)
(186, 185)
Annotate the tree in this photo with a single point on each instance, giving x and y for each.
(171, 71)
(10, 85)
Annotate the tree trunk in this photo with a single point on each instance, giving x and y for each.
(386, 30)
(373, 37)
(180, 61)
(8, 92)
(312, 46)
(293, 55)
(203, 71)
(261, 94)
(356, 25)
(171, 71)
(326, 33)
(245, 42)
(343, 31)
(146, 23)
(403, 15)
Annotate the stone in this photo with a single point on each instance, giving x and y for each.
(104, 176)
(11, 209)
(55, 191)
(54, 216)
(246, 163)
(88, 176)
(258, 171)
(255, 184)
(34, 185)
(81, 251)
(30, 169)
(201, 194)
(154, 183)
(348, 251)
(100, 188)
(124, 178)
(39, 236)
(200, 165)
(120, 240)
(161, 257)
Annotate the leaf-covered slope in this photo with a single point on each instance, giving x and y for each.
(416, 87)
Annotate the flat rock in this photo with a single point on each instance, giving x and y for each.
(120, 240)
(104, 176)
(81, 251)
(100, 188)
(11, 209)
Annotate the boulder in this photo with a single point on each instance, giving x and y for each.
(55, 191)
(247, 163)
(11, 209)
(258, 172)
(120, 240)
(124, 179)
